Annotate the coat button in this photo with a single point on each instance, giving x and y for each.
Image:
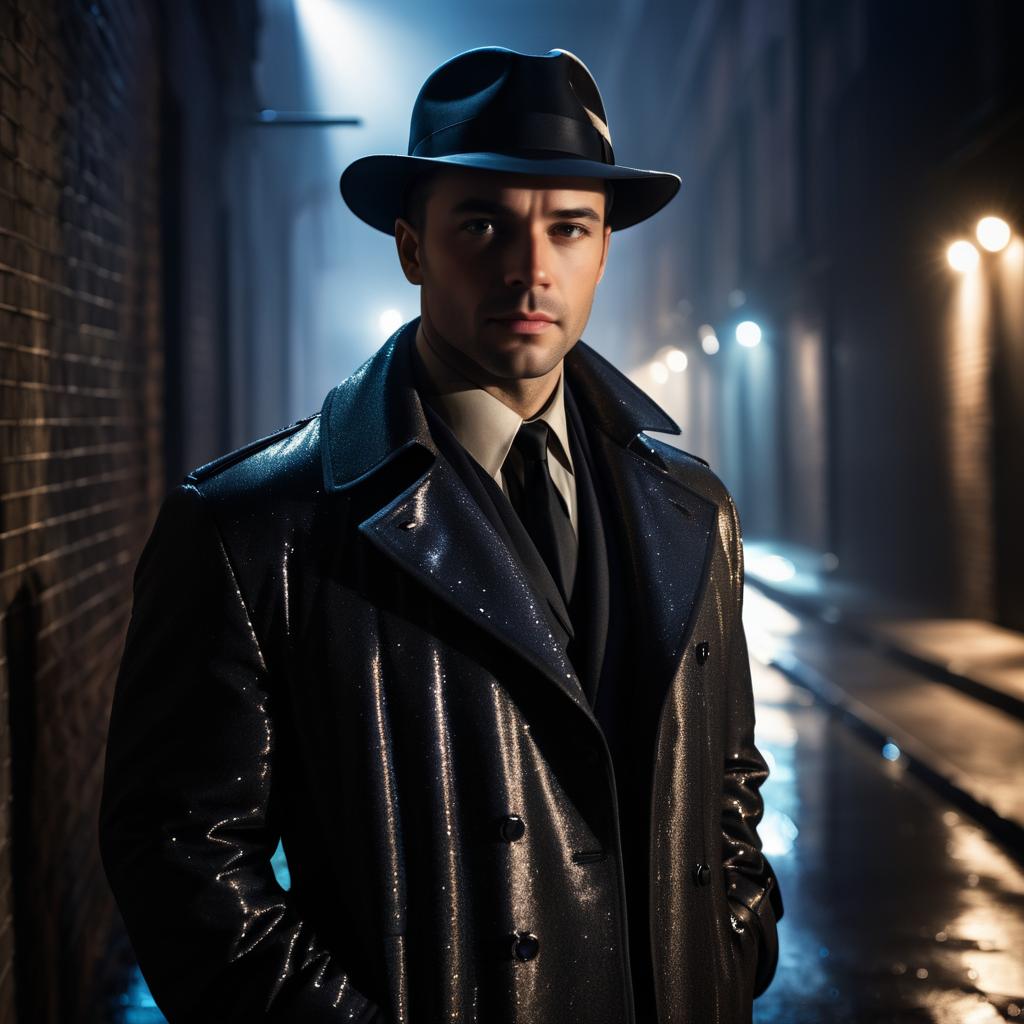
(525, 945)
(702, 874)
(703, 650)
(512, 827)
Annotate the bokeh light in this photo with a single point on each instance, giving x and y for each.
(962, 256)
(993, 233)
(748, 333)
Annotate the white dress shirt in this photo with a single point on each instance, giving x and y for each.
(486, 427)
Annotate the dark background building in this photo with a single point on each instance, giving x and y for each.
(830, 153)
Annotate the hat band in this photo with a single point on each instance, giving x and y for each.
(531, 131)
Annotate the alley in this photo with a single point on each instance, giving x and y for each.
(289, 289)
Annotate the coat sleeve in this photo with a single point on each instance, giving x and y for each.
(186, 822)
(751, 884)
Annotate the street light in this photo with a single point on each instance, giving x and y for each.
(389, 321)
(676, 360)
(748, 333)
(962, 256)
(708, 339)
(993, 233)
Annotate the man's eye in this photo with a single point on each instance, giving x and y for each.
(478, 227)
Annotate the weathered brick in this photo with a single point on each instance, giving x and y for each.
(78, 455)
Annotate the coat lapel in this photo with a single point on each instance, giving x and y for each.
(452, 548)
(374, 429)
(665, 530)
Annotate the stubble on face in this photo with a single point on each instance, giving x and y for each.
(494, 244)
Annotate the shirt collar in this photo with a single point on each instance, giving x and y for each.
(484, 425)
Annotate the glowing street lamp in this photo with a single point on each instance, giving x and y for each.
(708, 339)
(993, 233)
(389, 321)
(962, 256)
(748, 333)
(676, 360)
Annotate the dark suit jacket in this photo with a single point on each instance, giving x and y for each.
(332, 644)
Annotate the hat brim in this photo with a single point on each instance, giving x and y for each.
(374, 187)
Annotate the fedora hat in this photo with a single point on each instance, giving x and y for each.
(496, 109)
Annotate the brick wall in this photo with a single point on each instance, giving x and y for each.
(114, 381)
(80, 462)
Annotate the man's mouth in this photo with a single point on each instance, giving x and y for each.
(525, 323)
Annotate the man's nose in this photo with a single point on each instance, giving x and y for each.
(526, 259)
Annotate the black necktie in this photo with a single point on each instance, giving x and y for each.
(540, 506)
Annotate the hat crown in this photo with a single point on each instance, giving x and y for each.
(495, 110)
(493, 99)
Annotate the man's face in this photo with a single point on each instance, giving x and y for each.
(495, 244)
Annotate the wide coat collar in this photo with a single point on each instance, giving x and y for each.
(374, 429)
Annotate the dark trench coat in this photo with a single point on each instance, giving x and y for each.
(328, 644)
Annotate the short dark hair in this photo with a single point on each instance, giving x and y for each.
(420, 188)
(416, 195)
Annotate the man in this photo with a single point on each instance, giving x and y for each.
(467, 641)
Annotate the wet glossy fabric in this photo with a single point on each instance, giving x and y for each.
(493, 502)
(322, 648)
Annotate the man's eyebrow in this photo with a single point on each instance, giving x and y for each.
(475, 205)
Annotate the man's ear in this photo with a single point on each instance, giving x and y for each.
(408, 244)
(604, 253)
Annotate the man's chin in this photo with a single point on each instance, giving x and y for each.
(523, 360)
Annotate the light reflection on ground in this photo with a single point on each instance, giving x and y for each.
(897, 907)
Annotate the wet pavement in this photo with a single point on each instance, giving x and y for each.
(945, 695)
(899, 906)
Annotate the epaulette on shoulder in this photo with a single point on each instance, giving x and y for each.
(230, 458)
